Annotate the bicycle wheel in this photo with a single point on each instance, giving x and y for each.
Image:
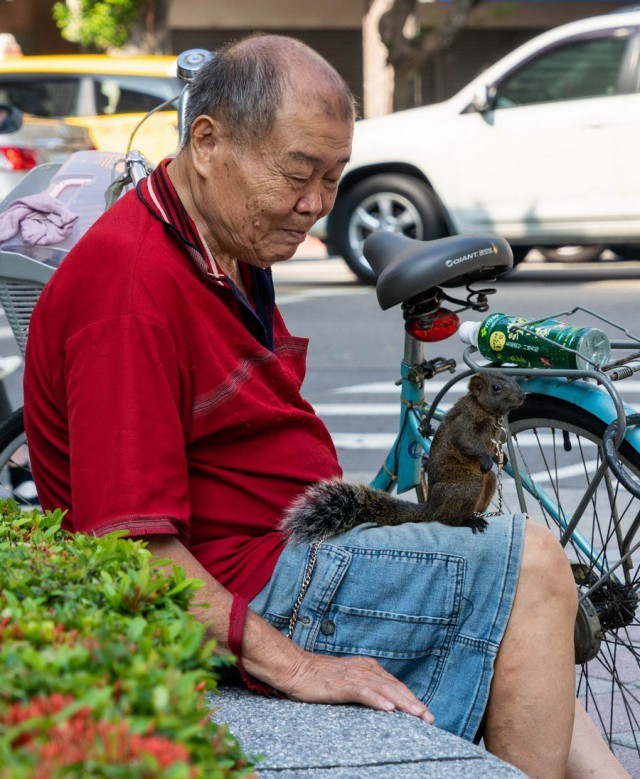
(560, 449)
(16, 480)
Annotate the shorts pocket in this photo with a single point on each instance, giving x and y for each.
(394, 604)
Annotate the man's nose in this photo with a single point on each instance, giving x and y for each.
(311, 201)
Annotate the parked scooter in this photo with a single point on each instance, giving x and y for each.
(22, 485)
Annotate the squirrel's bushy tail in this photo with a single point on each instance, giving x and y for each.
(331, 507)
(324, 509)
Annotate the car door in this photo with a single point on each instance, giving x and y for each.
(549, 157)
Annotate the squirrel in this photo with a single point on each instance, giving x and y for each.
(459, 474)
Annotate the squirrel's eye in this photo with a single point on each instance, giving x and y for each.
(496, 388)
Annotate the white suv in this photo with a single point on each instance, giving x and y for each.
(541, 148)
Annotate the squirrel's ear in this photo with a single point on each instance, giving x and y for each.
(475, 385)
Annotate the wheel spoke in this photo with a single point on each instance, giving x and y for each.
(559, 448)
(406, 220)
(385, 202)
(364, 220)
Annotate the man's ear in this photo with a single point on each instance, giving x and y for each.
(204, 137)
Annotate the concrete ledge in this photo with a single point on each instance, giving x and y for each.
(348, 742)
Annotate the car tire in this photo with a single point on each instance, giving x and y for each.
(392, 202)
(519, 253)
(626, 252)
(571, 253)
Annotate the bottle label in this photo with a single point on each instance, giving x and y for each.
(497, 340)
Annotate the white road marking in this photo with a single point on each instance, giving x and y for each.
(320, 292)
(360, 409)
(431, 387)
(390, 388)
(384, 441)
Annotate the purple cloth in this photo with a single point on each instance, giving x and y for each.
(42, 219)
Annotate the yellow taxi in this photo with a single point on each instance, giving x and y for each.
(108, 95)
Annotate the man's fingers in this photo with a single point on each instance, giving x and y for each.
(326, 679)
(397, 696)
(397, 693)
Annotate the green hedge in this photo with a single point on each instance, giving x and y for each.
(103, 672)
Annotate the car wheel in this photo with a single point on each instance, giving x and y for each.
(387, 202)
(626, 252)
(571, 253)
(519, 253)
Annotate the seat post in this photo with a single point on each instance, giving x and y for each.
(413, 350)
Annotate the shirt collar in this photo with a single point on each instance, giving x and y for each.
(160, 197)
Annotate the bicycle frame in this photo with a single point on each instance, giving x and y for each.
(403, 471)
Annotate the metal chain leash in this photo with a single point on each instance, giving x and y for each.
(498, 441)
(306, 581)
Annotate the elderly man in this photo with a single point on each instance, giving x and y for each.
(162, 397)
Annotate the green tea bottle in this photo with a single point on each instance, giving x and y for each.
(498, 340)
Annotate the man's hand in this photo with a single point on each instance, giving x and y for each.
(327, 679)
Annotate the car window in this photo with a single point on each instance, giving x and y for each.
(133, 94)
(51, 97)
(582, 68)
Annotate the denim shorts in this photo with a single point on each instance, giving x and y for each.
(427, 601)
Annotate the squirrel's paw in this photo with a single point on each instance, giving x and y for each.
(478, 523)
(486, 463)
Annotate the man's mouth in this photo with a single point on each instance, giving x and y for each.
(297, 235)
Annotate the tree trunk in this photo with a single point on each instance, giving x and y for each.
(378, 74)
(149, 32)
(404, 86)
(411, 46)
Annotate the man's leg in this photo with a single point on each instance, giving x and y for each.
(590, 756)
(530, 715)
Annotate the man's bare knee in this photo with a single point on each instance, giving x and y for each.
(545, 570)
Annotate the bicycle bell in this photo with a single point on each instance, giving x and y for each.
(190, 62)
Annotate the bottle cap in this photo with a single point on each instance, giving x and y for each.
(468, 332)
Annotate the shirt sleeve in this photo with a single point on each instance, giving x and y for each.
(127, 396)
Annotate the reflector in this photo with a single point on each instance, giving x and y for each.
(434, 327)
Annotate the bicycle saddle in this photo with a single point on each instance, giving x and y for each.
(407, 267)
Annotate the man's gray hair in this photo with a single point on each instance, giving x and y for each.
(246, 81)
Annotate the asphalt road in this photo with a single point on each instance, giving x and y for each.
(355, 347)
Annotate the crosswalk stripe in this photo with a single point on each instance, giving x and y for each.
(381, 441)
(360, 409)
(390, 388)
(384, 441)
(320, 292)
(565, 473)
(431, 387)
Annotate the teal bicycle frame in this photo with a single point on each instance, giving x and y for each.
(403, 468)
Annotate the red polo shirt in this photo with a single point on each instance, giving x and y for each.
(159, 400)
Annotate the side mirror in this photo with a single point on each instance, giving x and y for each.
(483, 100)
(10, 118)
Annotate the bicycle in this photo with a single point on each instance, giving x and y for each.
(573, 425)
(575, 413)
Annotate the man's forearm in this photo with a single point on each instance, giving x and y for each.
(267, 654)
(280, 663)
